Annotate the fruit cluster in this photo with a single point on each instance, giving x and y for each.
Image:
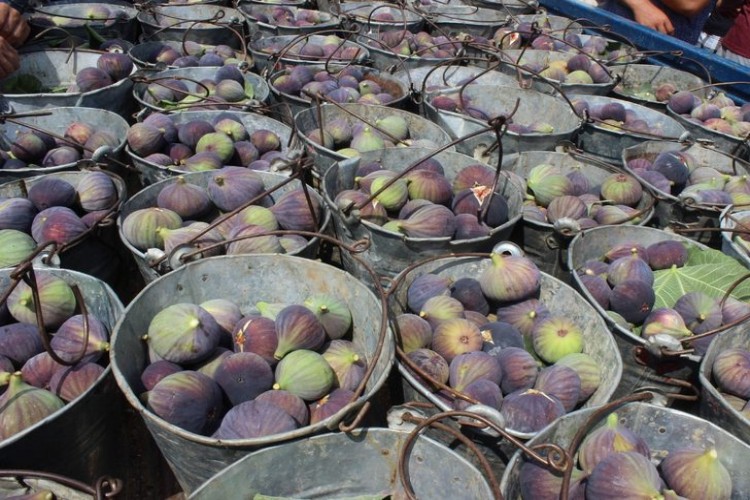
(731, 373)
(718, 113)
(579, 69)
(615, 116)
(421, 44)
(287, 16)
(329, 47)
(191, 54)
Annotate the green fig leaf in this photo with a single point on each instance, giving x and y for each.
(698, 256)
(713, 279)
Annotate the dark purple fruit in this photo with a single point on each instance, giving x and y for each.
(243, 376)
(77, 337)
(413, 332)
(498, 335)
(294, 213)
(423, 288)
(51, 192)
(530, 410)
(539, 483)
(523, 314)
(484, 391)
(433, 364)
(96, 191)
(700, 312)
(19, 342)
(631, 268)
(254, 419)
(188, 399)
(468, 367)
(731, 370)
(673, 165)
(291, 404)
(88, 79)
(297, 327)
(17, 213)
(233, 187)
(519, 369)
(562, 382)
(612, 437)
(665, 254)
(632, 300)
(330, 404)
(598, 288)
(144, 139)
(469, 293)
(38, 370)
(624, 475)
(156, 371)
(258, 335)
(57, 224)
(70, 382)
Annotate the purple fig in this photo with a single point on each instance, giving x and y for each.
(626, 249)
(498, 335)
(187, 200)
(189, 133)
(183, 333)
(530, 410)
(348, 364)
(17, 213)
(243, 376)
(156, 371)
(700, 312)
(598, 288)
(432, 363)
(612, 437)
(632, 300)
(468, 367)
(291, 404)
(469, 292)
(539, 483)
(624, 475)
(51, 192)
(424, 287)
(469, 228)
(630, 268)
(566, 206)
(664, 321)
(731, 369)
(96, 191)
(297, 327)
(665, 254)
(519, 369)
(673, 165)
(683, 102)
(484, 391)
(89, 79)
(188, 399)
(510, 278)
(55, 296)
(209, 365)
(588, 371)
(79, 336)
(254, 419)
(413, 332)
(441, 308)
(523, 315)
(562, 382)
(57, 224)
(473, 176)
(696, 473)
(294, 213)
(19, 342)
(29, 147)
(24, 405)
(72, 381)
(232, 187)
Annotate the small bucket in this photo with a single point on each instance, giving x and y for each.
(275, 52)
(203, 23)
(679, 211)
(713, 405)
(390, 253)
(365, 15)
(144, 54)
(18, 483)
(664, 430)
(305, 121)
(85, 431)
(57, 68)
(117, 21)
(465, 19)
(360, 464)
(545, 243)
(731, 244)
(557, 26)
(151, 172)
(56, 121)
(260, 20)
(384, 58)
(147, 198)
(637, 82)
(246, 279)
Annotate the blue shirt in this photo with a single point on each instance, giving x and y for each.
(19, 5)
(685, 28)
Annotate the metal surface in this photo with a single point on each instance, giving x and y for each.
(609, 143)
(272, 52)
(729, 244)
(713, 406)
(56, 122)
(121, 22)
(559, 298)
(664, 429)
(509, 7)
(465, 19)
(533, 106)
(640, 77)
(252, 11)
(307, 120)
(151, 172)
(543, 242)
(363, 462)
(58, 67)
(389, 252)
(206, 23)
(245, 279)
(147, 198)
(80, 440)
(364, 14)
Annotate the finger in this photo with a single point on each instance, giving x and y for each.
(20, 34)
(7, 66)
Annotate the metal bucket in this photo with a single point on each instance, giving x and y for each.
(609, 144)
(508, 7)
(151, 172)
(273, 52)
(638, 80)
(80, 440)
(390, 253)
(664, 429)
(56, 121)
(549, 24)
(465, 19)
(729, 219)
(203, 23)
(713, 405)
(57, 68)
(147, 198)
(644, 364)
(268, 28)
(557, 296)
(547, 244)
(297, 103)
(143, 54)
(119, 23)
(532, 105)
(728, 143)
(364, 15)
(676, 212)
(358, 464)
(307, 120)
(385, 58)
(246, 279)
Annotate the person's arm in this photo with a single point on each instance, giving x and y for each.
(649, 15)
(13, 27)
(9, 61)
(687, 8)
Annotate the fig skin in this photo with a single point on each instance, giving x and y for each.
(56, 296)
(530, 410)
(731, 370)
(243, 376)
(24, 405)
(598, 288)
(469, 367)
(297, 327)
(17, 213)
(632, 300)
(456, 336)
(441, 308)
(330, 404)
(141, 227)
(694, 473)
(188, 399)
(52, 192)
(187, 200)
(68, 342)
(523, 314)
(348, 363)
(431, 363)
(38, 370)
(612, 437)
(700, 312)
(665, 254)
(624, 475)
(510, 278)
(156, 371)
(333, 313)
(19, 342)
(519, 369)
(70, 382)
(588, 371)
(538, 483)
(629, 268)
(498, 335)
(183, 333)
(294, 213)
(96, 191)
(562, 382)
(423, 287)
(483, 390)
(413, 332)
(254, 419)
(468, 291)
(291, 404)
(556, 336)
(304, 373)
(256, 334)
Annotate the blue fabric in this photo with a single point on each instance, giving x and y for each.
(687, 29)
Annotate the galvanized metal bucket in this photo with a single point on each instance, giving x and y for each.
(497, 101)
(664, 429)
(465, 19)
(297, 103)
(147, 198)
(151, 172)
(199, 22)
(18, 483)
(143, 54)
(684, 211)
(80, 440)
(246, 279)
(548, 23)
(357, 464)
(58, 67)
(713, 404)
(72, 19)
(609, 143)
(731, 243)
(390, 253)
(545, 243)
(385, 58)
(55, 121)
(274, 52)
(508, 7)
(560, 299)
(728, 143)
(644, 364)
(637, 82)
(308, 120)
(365, 15)
(254, 12)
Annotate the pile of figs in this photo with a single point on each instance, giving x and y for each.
(576, 69)
(217, 210)
(615, 116)
(424, 203)
(489, 338)
(231, 374)
(188, 54)
(328, 47)
(659, 93)
(283, 15)
(200, 144)
(731, 375)
(54, 211)
(558, 194)
(719, 113)
(615, 462)
(406, 44)
(35, 385)
(92, 15)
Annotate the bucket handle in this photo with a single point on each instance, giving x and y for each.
(103, 488)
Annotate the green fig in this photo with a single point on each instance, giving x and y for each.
(347, 363)
(510, 278)
(333, 314)
(23, 405)
(555, 337)
(15, 247)
(694, 473)
(56, 296)
(305, 374)
(183, 333)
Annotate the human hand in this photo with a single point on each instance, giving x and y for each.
(651, 16)
(9, 61)
(13, 27)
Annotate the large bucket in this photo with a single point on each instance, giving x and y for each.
(386, 58)
(366, 16)
(56, 121)
(389, 252)
(57, 68)
(664, 430)
(260, 20)
(684, 210)
(199, 22)
(144, 55)
(731, 243)
(150, 172)
(546, 243)
(275, 52)
(728, 143)
(147, 198)
(464, 19)
(81, 440)
(609, 143)
(308, 120)
(638, 81)
(357, 464)
(116, 21)
(559, 298)
(15, 483)
(645, 364)
(496, 101)
(245, 279)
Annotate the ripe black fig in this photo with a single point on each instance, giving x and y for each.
(188, 399)
(243, 376)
